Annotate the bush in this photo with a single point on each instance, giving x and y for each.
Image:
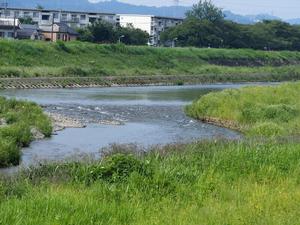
(20, 117)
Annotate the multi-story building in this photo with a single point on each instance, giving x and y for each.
(153, 25)
(9, 27)
(73, 19)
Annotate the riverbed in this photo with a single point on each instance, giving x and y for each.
(143, 116)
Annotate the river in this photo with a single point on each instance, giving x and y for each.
(149, 116)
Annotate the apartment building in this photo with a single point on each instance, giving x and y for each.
(43, 17)
(9, 27)
(153, 25)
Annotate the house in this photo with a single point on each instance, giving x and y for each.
(9, 27)
(58, 31)
(30, 31)
(42, 17)
(153, 25)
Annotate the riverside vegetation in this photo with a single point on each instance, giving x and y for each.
(18, 121)
(249, 181)
(258, 111)
(75, 60)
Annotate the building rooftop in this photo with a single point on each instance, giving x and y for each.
(142, 15)
(57, 10)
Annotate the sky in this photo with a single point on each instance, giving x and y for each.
(285, 9)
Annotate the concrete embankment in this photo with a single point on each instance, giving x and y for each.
(109, 81)
(75, 82)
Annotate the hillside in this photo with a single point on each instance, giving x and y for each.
(26, 59)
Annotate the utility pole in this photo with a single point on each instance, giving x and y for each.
(15, 31)
(52, 27)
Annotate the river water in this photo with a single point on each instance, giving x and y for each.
(149, 115)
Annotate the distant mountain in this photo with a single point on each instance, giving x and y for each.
(106, 6)
(294, 21)
(115, 6)
(248, 19)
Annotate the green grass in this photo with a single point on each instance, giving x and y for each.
(205, 183)
(20, 117)
(257, 111)
(41, 59)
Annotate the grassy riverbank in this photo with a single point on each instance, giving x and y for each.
(204, 183)
(215, 182)
(256, 111)
(39, 59)
(19, 120)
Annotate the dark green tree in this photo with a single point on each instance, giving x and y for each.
(206, 10)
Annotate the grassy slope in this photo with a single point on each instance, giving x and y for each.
(205, 183)
(267, 111)
(20, 117)
(36, 59)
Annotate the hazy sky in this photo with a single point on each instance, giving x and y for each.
(283, 8)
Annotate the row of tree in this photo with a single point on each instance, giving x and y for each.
(205, 26)
(104, 32)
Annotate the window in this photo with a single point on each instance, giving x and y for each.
(36, 14)
(26, 14)
(10, 34)
(82, 17)
(55, 15)
(1, 34)
(7, 13)
(17, 14)
(45, 17)
(92, 19)
(74, 17)
(64, 17)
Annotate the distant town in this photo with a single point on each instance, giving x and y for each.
(54, 25)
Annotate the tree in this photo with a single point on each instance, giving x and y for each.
(206, 10)
(99, 32)
(40, 7)
(133, 36)
(26, 20)
(105, 32)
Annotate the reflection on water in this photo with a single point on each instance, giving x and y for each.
(151, 116)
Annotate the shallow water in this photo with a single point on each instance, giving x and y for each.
(151, 116)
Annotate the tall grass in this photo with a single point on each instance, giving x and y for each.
(257, 111)
(19, 118)
(204, 183)
(40, 59)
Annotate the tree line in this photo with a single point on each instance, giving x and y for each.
(205, 26)
(105, 32)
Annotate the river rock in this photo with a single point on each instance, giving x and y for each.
(36, 134)
(3, 122)
(61, 122)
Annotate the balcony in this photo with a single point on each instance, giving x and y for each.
(72, 20)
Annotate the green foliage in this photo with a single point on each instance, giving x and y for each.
(262, 111)
(41, 59)
(206, 10)
(26, 20)
(205, 26)
(205, 183)
(19, 117)
(105, 32)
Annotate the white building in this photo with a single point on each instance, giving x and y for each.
(9, 27)
(45, 17)
(153, 25)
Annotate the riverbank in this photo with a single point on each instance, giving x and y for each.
(256, 111)
(134, 81)
(21, 122)
(207, 182)
(26, 64)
